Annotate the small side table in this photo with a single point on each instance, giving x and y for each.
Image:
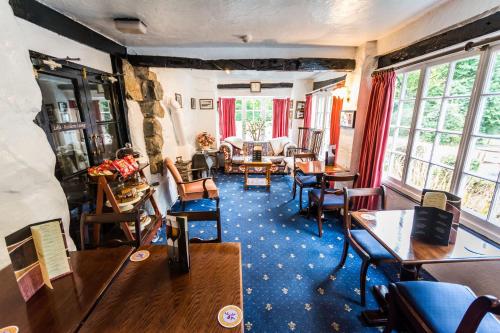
(260, 181)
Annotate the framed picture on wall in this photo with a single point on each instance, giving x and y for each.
(193, 103)
(299, 109)
(178, 99)
(206, 104)
(348, 118)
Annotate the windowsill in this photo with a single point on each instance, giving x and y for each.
(469, 223)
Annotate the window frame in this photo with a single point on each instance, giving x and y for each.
(483, 226)
(263, 110)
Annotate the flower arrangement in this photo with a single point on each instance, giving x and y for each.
(205, 139)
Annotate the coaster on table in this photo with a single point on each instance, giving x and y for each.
(230, 316)
(368, 217)
(139, 255)
(9, 329)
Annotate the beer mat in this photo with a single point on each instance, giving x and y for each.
(9, 329)
(230, 316)
(139, 255)
(368, 217)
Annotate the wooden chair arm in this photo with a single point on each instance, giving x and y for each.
(291, 149)
(204, 180)
(195, 180)
(476, 311)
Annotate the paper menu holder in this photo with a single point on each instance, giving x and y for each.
(39, 255)
(432, 225)
(447, 202)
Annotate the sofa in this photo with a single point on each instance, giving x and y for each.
(234, 150)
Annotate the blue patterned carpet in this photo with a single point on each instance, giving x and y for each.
(289, 278)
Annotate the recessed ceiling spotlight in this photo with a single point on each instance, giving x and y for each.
(228, 71)
(130, 25)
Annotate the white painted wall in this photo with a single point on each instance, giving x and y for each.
(440, 18)
(299, 91)
(38, 39)
(29, 192)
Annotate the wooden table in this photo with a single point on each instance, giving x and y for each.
(392, 229)
(254, 181)
(65, 307)
(148, 297)
(318, 168)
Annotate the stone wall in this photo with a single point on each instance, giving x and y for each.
(142, 86)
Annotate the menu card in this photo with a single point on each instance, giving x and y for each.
(432, 225)
(39, 255)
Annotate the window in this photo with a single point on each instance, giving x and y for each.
(321, 115)
(445, 132)
(254, 118)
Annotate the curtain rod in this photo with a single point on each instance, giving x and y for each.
(326, 87)
(467, 47)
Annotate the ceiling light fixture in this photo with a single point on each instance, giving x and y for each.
(130, 25)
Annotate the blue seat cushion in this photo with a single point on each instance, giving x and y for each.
(443, 305)
(329, 199)
(370, 245)
(304, 180)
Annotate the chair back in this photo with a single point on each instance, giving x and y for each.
(303, 157)
(112, 218)
(326, 179)
(378, 192)
(169, 163)
(303, 138)
(330, 155)
(316, 141)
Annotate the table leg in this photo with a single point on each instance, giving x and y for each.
(268, 177)
(379, 316)
(246, 178)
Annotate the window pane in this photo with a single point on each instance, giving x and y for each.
(396, 166)
(257, 105)
(417, 172)
(494, 84)
(401, 140)
(436, 80)
(101, 101)
(238, 115)
(422, 145)
(446, 149)
(412, 79)
(395, 112)
(406, 113)
(238, 104)
(59, 99)
(495, 213)
(387, 156)
(484, 158)
(439, 178)
(71, 152)
(455, 111)
(390, 138)
(429, 114)
(464, 75)
(249, 104)
(399, 83)
(490, 116)
(477, 195)
(108, 136)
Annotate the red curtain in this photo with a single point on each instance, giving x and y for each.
(337, 103)
(280, 117)
(227, 120)
(308, 111)
(376, 130)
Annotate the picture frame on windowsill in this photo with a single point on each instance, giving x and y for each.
(348, 118)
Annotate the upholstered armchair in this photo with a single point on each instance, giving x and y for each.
(427, 306)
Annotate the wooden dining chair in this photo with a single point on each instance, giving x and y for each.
(301, 180)
(327, 199)
(365, 245)
(111, 218)
(429, 306)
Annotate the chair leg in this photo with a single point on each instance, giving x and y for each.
(294, 191)
(309, 204)
(219, 225)
(344, 253)
(320, 221)
(183, 205)
(362, 280)
(300, 199)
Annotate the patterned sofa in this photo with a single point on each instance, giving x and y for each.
(233, 156)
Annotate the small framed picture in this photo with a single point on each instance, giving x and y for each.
(206, 104)
(178, 99)
(255, 87)
(299, 109)
(193, 103)
(348, 118)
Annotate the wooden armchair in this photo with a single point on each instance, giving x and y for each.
(427, 306)
(327, 199)
(203, 188)
(301, 180)
(313, 147)
(111, 218)
(365, 245)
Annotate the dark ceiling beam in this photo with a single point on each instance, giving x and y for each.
(465, 33)
(45, 17)
(272, 64)
(320, 84)
(262, 86)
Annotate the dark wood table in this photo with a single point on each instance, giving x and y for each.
(148, 297)
(318, 168)
(65, 307)
(392, 229)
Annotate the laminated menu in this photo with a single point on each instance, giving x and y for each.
(39, 255)
(432, 225)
